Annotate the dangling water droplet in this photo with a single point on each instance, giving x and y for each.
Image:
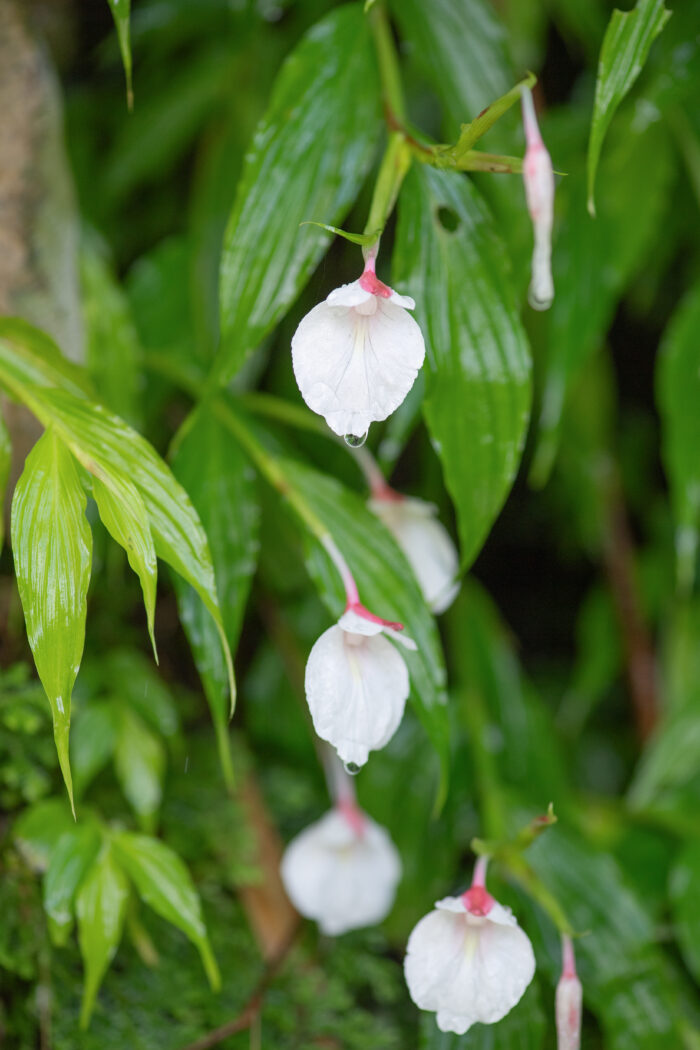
(355, 441)
(352, 768)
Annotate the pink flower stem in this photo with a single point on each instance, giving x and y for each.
(340, 785)
(479, 876)
(568, 956)
(379, 489)
(351, 592)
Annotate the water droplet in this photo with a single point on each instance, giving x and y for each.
(352, 768)
(355, 441)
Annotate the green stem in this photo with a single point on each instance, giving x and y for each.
(394, 166)
(388, 60)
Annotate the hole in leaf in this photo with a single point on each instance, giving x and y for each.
(448, 219)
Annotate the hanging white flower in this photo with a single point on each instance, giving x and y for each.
(425, 542)
(538, 177)
(356, 355)
(468, 960)
(342, 871)
(357, 684)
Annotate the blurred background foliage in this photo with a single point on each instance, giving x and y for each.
(572, 651)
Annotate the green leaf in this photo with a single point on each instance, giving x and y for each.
(39, 828)
(387, 587)
(362, 239)
(221, 483)
(594, 261)
(139, 762)
(451, 260)
(625, 48)
(121, 10)
(521, 1029)
(131, 678)
(72, 856)
(5, 464)
(114, 453)
(164, 883)
(100, 906)
(678, 397)
(124, 516)
(461, 46)
(52, 546)
(308, 159)
(685, 905)
(113, 350)
(92, 742)
(29, 358)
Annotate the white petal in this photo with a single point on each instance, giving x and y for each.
(402, 300)
(354, 368)
(427, 545)
(454, 904)
(353, 623)
(349, 295)
(356, 688)
(339, 878)
(467, 970)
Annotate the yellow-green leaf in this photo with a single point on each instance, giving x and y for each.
(100, 907)
(52, 546)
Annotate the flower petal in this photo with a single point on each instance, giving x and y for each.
(354, 368)
(356, 688)
(349, 295)
(339, 878)
(427, 545)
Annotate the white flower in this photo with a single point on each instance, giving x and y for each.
(342, 871)
(357, 684)
(539, 192)
(425, 542)
(356, 355)
(568, 1002)
(469, 961)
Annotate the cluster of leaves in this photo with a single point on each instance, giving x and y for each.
(254, 473)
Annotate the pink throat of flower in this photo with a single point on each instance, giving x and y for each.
(359, 610)
(369, 282)
(478, 901)
(353, 814)
(383, 492)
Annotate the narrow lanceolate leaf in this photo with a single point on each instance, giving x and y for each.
(221, 483)
(74, 853)
(461, 45)
(625, 48)
(121, 9)
(109, 449)
(100, 905)
(52, 546)
(307, 161)
(139, 762)
(124, 516)
(678, 396)
(164, 883)
(449, 257)
(30, 358)
(5, 464)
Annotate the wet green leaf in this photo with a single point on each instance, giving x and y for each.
(39, 828)
(139, 762)
(30, 358)
(221, 484)
(449, 257)
(308, 159)
(52, 546)
(685, 903)
(92, 742)
(71, 857)
(121, 10)
(101, 907)
(164, 883)
(5, 464)
(678, 397)
(625, 48)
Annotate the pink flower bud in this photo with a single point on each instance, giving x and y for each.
(568, 1001)
(539, 192)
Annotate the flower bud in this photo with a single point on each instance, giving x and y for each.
(538, 177)
(568, 1001)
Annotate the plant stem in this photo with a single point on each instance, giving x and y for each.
(394, 166)
(387, 58)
